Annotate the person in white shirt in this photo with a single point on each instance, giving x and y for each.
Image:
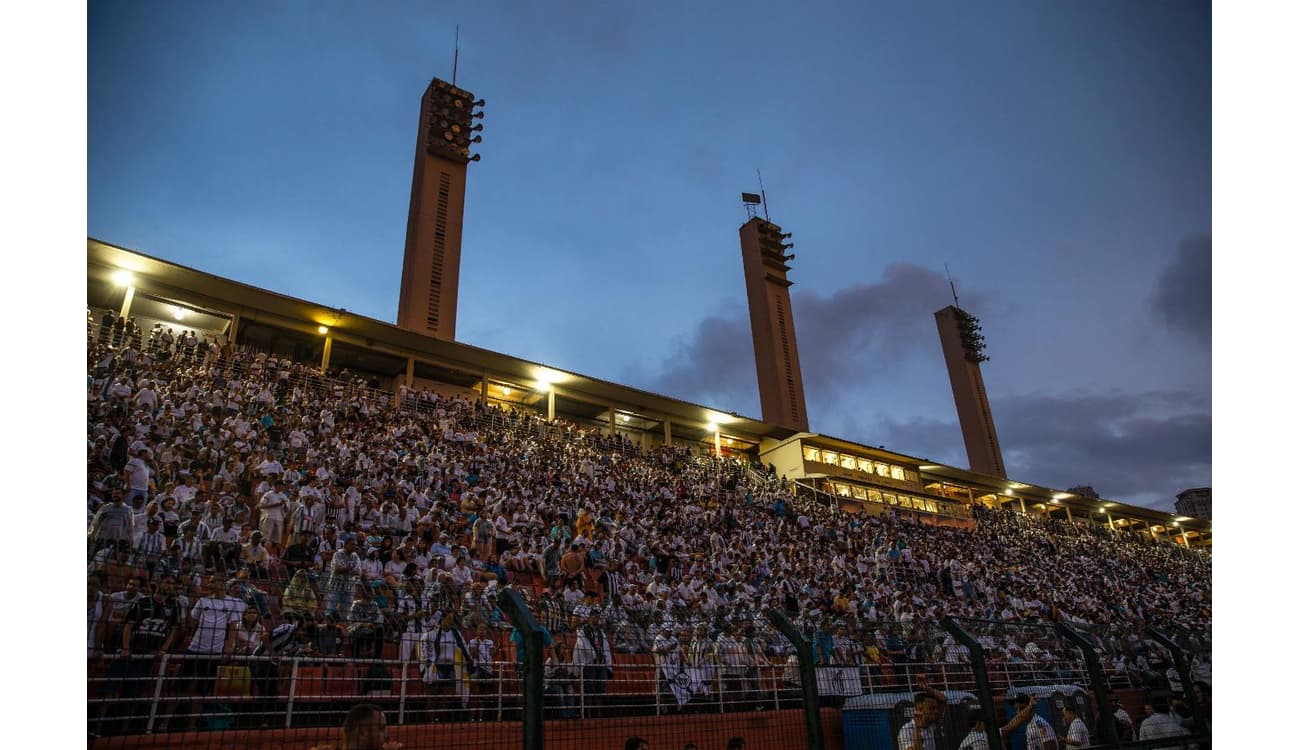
(978, 739)
(139, 476)
(216, 616)
(1076, 733)
(1161, 723)
(927, 711)
(274, 505)
(1039, 735)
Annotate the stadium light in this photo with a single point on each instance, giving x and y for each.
(178, 313)
(123, 278)
(548, 377)
(322, 330)
(712, 426)
(505, 390)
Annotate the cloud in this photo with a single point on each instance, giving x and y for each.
(714, 365)
(1141, 448)
(856, 334)
(1182, 296)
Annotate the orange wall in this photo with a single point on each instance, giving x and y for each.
(763, 730)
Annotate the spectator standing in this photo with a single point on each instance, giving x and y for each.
(1076, 732)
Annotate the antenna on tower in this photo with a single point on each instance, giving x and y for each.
(952, 286)
(455, 58)
(767, 216)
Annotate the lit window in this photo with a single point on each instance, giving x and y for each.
(859, 492)
(848, 462)
(865, 465)
(882, 470)
(891, 498)
(904, 501)
(812, 454)
(830, 457)
(874, 496)
(843, 489)
(896, 472)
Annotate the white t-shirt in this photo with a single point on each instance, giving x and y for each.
(1037, 733)
(1157, 726)
(1077, 734)
(213, 617)
(974, 741)
(139, 473)
(908, 733)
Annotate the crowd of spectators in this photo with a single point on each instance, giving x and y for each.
(345, 518)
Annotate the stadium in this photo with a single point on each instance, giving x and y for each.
(311, 528)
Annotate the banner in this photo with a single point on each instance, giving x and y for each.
(839, 681)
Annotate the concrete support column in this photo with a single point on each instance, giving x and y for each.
(1023, 509)
(550, 405)
(1186, 543)
(1110, 521)
(232, 337)
(410, 371)
(613, 422)
(325, 356)
(126, 302)
(1068, 515)
(482, 388)
(668, 432)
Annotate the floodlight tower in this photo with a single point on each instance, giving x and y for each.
(431, 266)
(763, 249)
(963, 351)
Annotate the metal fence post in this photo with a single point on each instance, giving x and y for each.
(982, 686)
(807, 678)
(1100, 685)
(1185, 674)
(157, 693)
(293, 688)
(516, 610)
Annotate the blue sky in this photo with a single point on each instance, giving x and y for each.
(1055, 155)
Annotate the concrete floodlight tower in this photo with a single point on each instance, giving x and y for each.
(763, 248)
(431, 266)
(963, 351)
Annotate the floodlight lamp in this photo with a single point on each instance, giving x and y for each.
(478, 126)
(123, 278)
(624, 417)
(505, 390)
(477, 115)
(480, 103)
(476, 139)
(712, 427)
(322, 330)
(178, 313)
(786, 236)
(475, 157)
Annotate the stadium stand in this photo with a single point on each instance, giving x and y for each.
(268, 544)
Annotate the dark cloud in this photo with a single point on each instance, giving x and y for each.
(715, 365)
(1142, 448)
(857, 334)
(1182, 297)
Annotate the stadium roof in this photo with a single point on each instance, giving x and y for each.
(207, 293)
